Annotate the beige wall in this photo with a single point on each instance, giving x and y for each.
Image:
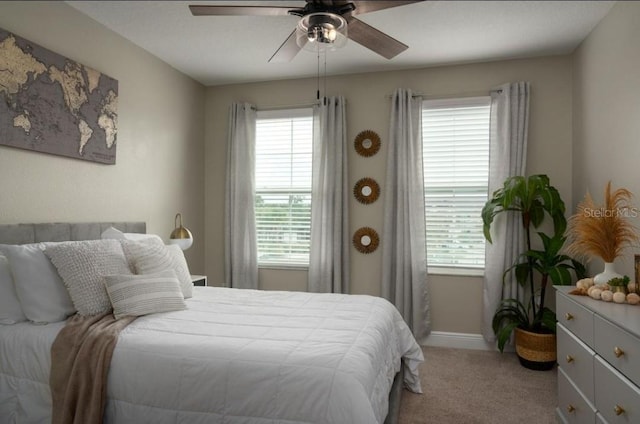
(606, 130)
(456, 301)
(159, 165)
(589, 99)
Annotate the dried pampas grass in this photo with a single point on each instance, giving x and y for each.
(602, 231)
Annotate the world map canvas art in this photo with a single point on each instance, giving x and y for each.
(52, 104)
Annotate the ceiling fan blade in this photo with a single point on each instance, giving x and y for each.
(287, 51)
(374, 39)
(364, 6)
(209, 10)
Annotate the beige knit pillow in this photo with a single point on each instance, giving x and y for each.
(82, 266)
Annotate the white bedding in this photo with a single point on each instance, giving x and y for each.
(233, 357)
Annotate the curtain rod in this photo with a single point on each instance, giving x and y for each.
(449, 95)
(290, 106)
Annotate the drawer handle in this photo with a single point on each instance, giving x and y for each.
(569, 359)
(568, 316)
(618, 410)
(618, 352)
(571, 408)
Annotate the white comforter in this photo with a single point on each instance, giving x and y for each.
(235, 356)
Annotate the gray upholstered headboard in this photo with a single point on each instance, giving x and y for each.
(63, 231)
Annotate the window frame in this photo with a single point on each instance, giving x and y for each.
(286, 113)
(485, 101)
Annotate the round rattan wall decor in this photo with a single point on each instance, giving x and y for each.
(366, 240)
(366, 190)
(367, 143)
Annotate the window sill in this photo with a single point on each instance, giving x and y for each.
(285, 267)
(462, 272)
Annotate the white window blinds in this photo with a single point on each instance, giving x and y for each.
(455, 135)
(284, 140)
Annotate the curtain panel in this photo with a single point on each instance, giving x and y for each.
(329, 250)
(241, 250)
(404, 263)
(507, 158)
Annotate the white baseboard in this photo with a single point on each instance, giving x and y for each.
(459, 341)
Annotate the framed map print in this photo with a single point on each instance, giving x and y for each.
(52, 104)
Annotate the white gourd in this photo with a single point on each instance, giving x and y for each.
(584, 283)
(633, 299)
(596, 293)
(606, 295)
(619, 297)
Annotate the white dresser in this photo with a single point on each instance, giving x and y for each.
(598, 360)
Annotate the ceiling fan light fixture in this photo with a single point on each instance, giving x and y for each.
(324, 31)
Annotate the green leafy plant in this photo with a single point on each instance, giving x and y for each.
(619, 281)
(532, 199)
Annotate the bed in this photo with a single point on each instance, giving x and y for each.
(232, 356)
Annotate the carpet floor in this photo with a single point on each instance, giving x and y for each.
(479, 387)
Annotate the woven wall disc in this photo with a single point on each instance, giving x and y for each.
(366, 240)
(366, 190)
(367, 143)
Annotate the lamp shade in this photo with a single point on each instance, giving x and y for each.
(321, 31)
(181, 235)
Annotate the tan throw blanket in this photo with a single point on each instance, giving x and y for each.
(80, 359)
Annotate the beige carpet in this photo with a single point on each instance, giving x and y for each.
(479, 387)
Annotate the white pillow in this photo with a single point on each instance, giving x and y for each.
(82, 266)
(181, 268)
(135, 248)
(41, 292)
(151, 258)
(136, 295)
(114, 233)
(10, 309)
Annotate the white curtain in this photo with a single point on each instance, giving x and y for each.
(404, 263)
(507, 158)
(329, 252)
(241, 251)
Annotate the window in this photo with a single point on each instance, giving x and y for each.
(455, 139)
(284, 141)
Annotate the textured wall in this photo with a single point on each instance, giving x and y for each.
(159, 168)
(457, 300)
(606, 138)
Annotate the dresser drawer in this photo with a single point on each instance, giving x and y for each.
(617, 399)
(576, 360)
(600, 419)
(619, 348)
(572, 405)
(576, 318)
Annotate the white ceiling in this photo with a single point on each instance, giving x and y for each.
(218, 50)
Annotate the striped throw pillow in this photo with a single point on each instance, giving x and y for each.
(137, 295)
(150, 258)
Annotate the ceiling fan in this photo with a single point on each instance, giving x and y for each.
(322, 24)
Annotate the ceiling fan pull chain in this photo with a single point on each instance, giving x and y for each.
(325, 77)
(318, 77)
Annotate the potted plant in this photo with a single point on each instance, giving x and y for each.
(534, 324)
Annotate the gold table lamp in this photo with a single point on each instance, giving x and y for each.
(181, 235)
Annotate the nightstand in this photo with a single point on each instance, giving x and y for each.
(199, 280)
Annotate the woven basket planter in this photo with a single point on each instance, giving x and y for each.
(536, 351)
